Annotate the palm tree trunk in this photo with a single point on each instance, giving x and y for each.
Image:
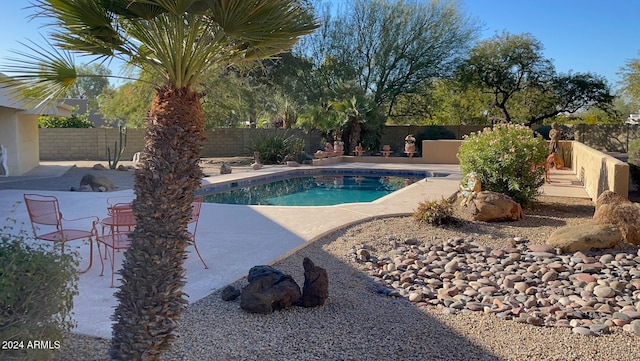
(354, 135)
(151, 298)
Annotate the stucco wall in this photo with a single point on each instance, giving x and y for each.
(599, 172)
(441, 151)
(8, 137)
(394, 135)
(74, 144)
(19, 134)
(28, 150)
(92, 143)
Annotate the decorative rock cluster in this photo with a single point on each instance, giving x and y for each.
(612, 208)
(525, 283)
(96, 183)
(615, 220)
(269, 289)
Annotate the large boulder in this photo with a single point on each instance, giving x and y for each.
(268, 290)
(612, 208)
(316, 285)
(583, 237)
(96, 183)
(488, 206)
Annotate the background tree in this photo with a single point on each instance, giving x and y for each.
(389, 48)
(571, 93)
(234, 98)
(175, 41)
(126, 105)
(630, 83)
(506, 65)
(443, 102)
(295, 78)
(285, 110)
(512, 69)
(92, 80)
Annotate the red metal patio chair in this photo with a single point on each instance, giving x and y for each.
(115, 234)
(196, 205)
(47, 223)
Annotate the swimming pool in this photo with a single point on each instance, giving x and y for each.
(314, 188)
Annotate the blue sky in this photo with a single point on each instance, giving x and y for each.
(597, 36)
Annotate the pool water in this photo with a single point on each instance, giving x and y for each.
(322, 190)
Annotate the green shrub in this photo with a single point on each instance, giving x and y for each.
(37, 287)
(435, 212)
(508, 159)
(74, 121)
(274, 148)
(634, 161)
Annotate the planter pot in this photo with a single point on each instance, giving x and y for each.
(410, 149)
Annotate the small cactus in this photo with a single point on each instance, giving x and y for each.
(118, 148)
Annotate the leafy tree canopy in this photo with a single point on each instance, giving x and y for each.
(510, 66)
(631, 82)
(126, 105)
(389, 48)
(92, 80)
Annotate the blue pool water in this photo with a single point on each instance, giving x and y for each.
(318, 190)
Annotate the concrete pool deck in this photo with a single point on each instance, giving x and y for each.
(233, 238)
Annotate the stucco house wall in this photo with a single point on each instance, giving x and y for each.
(19, 131)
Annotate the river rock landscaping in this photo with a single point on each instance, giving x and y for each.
(589, 293)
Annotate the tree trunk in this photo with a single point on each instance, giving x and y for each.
(354, 136)
(151, 297)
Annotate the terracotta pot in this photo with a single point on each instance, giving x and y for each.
(409, 148)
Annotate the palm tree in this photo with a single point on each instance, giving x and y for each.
(177, 40)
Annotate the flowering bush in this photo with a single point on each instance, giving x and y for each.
(507, 159)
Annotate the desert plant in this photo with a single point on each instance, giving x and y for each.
(274, 148)
(37, 286)
(296, 151)
(118, 148)
(435, 212)
(508, 159)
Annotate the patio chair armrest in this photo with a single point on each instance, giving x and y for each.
(93, 219)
